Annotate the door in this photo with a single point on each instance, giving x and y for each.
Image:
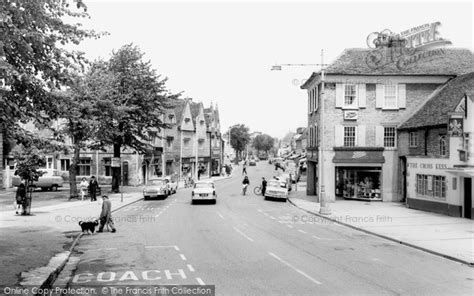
(468, 198)
(403, 178)
(125, 173)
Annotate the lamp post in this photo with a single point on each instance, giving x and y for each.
(324, 208)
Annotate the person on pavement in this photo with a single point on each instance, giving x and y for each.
(244, 168)
(106, 215)
(83, 187)
(245, 184)
(264, 186)
(93, 185)
(20, 197)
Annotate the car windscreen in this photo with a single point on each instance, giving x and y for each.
(203, 185)
(275, 183)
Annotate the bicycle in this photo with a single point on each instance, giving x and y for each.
(257, 190)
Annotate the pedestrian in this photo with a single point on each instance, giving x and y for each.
(245, 184)
(264, 186)
(83, 187)
(244, 168)
(93, 188)
(223, 171)
(199, 174)
(106, 215)
(20, 197)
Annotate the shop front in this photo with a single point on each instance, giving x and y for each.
(359, 173)
(215, 162)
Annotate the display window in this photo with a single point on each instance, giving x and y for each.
(359, 183)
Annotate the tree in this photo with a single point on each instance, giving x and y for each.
(27, 168)
(130, 111)
(34, 62)
(287, 138)
(239, 138)
(263, 143)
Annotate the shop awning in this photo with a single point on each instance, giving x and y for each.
(358, 156)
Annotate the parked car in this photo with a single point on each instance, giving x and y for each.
(204, 190)
(252, 162)
(277, 189)
(285, 177)
(157, 187)
(50, 180)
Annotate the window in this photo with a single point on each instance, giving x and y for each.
(389, 134)
(171, 118)
(443, 146)
(107, 162)
(349, 136)
(316, 140)
(431, 186)
(84, 165)
(390, 98)
(49, 162)
(315, 98)
(350, 91)
(169, 141)
(65, 164)
(413, 139)
(187, 119)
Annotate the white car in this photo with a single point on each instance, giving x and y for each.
(172, 183)
(204, 190)
(50, 180)
(277, 189)
(156, 188)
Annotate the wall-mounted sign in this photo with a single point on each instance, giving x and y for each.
(351, 115)
(115, 162)
(455, 127)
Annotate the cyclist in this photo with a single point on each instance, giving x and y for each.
(245, 184)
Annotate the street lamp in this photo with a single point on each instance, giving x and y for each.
(324, 208)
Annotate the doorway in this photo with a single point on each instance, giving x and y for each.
(468, 198)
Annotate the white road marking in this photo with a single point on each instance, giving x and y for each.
(220, 215)
(281, 222)
(154, 247)
(326, 238)
(243, 234)
(266, 214)
(157, 215)
(176, 248)
(106, 249)
(289, 226)
(190, 267)
(294, 268)
(273, 218)
(259, 210)
(200, 281)
(302, 231)
(182, 256)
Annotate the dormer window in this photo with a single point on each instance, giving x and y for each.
(171, 118)
(202, 122)
(187, 119)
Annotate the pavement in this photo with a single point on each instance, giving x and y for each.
(35, 246)
(245, 245)
(449, 237)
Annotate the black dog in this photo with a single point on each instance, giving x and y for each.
(88, 226)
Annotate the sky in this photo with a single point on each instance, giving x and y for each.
(222, 52)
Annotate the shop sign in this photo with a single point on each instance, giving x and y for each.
(345, 156)
(351, 115)
(427, 166)
(455, 127)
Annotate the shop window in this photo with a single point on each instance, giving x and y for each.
(389, 136)
(349, 136)
(413, 139)
(359, 183)
(84, 166)
(431, 186)
(443, 146)
(390, 98)
(350, 95)
(65, 164)
(455, 183)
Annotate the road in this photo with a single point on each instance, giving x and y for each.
(245, 245)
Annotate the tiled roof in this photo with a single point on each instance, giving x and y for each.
(436, 110)
(179, 109)
(446, 61)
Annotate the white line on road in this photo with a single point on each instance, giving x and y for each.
(266, 214)
(243, 234)
(325, 238)
(201, 282)
(273, 218)
(294, 268)
(259, 210)
(182, 256)
(154, 247)
(220, 215)
(302, 231)
(157, 215)
(190, 267)
(176, 248)
(289, 226)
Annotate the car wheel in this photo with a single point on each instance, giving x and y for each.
(192, 201)
(145, 197)
(44, 188)
(54, 188)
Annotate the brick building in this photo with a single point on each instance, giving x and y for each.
(437, 153)
(361, 108)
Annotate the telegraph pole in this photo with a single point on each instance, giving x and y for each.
(324, 209)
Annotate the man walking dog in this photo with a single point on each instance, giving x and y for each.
(106, 215)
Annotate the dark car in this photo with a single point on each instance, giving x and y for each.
(252, 163)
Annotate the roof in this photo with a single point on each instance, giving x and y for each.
(436, 110)
(442, 61)
(179, 109)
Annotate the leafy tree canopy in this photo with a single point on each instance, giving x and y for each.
(239, 137)
(263, 143)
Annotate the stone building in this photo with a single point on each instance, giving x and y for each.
(437, 151)
(360, 108)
